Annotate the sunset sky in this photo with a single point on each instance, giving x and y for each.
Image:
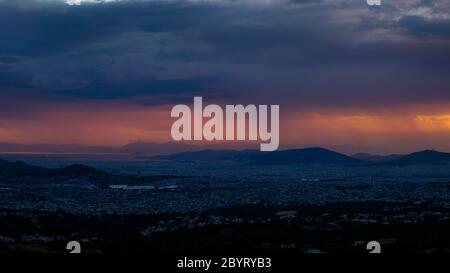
(347, 76)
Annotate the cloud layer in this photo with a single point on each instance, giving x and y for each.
(301, 54)
(318, 52)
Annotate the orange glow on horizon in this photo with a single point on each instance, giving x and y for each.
(117, 123)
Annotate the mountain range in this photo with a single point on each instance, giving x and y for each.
(427, 156)
(186, 152)
(20, 172)
(254, 157)
(308, 155)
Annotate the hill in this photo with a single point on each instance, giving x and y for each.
(377, 158)
(20, 172)
(307, 155)
(422, 157)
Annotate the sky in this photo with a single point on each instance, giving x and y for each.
(347, 76)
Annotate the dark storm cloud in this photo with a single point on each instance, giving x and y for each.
(423, 28)
(49, 27)
(311, 52)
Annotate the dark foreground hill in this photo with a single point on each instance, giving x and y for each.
(20, 172)
(18, 169)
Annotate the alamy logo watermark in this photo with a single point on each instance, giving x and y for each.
(241, 123)
(374, 247)
(374, 2)
(74, 247)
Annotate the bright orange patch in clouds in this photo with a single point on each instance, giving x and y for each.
(375, 130)
(115, 123)
(434, 123)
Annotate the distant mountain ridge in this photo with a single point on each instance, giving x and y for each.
(315, 155)
(422, 157)
(306, 155)
(187, 152)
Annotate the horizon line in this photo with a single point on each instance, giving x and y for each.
(155, 153)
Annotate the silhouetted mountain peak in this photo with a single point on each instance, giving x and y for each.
(307, 155)
(426, 156)
(79, 169)
(427, 153)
